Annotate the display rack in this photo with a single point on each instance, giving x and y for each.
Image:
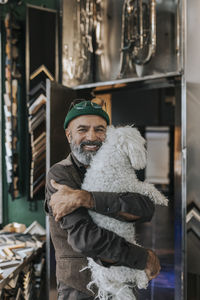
(41, 63)
(11, 102)
(1, 132)
(37, 131)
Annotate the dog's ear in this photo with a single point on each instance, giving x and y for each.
(134, 147)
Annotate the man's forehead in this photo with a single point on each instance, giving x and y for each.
(88, 120)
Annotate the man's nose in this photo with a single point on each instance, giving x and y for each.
(91, 135)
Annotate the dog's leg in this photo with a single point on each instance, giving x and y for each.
(149, 190)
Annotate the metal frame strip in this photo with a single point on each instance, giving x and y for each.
(1, 170)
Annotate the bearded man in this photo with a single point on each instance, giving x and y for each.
(75, 236)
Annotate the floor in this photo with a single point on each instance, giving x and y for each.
(159, 236)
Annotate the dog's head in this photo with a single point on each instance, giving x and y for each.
(128, 140)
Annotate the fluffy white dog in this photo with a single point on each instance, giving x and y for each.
(112, 170)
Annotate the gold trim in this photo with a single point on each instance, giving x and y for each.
(41, 69)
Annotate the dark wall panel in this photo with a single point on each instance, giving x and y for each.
(142, 108)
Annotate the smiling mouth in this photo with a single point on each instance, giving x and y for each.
(91, 147)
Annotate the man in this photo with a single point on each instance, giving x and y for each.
(75, 236)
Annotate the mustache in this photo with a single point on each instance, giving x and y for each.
(91, 143)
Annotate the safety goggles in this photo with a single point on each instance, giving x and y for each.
(96, 103)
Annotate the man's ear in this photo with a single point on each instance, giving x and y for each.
(68, 134)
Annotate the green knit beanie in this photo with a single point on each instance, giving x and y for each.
(85, 108)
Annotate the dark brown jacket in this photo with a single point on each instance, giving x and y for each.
(77, 236)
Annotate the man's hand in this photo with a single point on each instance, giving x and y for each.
(66, 200)
(127, 216)
(153, 265)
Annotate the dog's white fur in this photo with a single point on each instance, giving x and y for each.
(112, 170)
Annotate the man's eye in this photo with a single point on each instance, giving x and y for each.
(82, 130)
(100, 130)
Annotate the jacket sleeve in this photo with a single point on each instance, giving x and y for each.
(111, 204)
(90, 240)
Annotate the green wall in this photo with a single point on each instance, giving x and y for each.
(21, 210)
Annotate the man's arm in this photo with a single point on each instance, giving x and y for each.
(90, 240)
(127, 206)
(124, 206)
(87, 238)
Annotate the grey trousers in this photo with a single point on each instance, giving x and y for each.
(68, 293)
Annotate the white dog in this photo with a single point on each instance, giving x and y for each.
(112, 170)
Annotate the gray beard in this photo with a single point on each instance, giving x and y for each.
(85, 157)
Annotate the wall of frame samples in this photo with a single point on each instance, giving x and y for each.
(37, 130)
(41, 29)
(12, 83)
(22, 253)
(38, 68)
